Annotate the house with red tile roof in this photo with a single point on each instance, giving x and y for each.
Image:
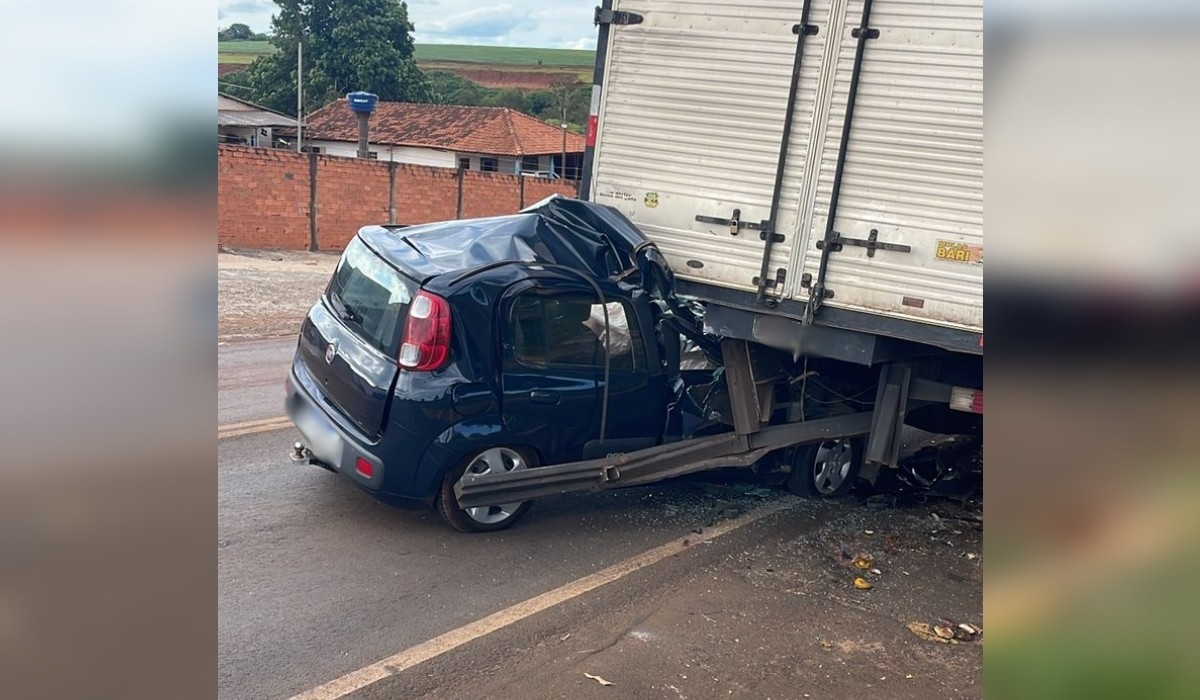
(488, 139)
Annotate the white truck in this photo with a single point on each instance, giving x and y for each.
(812, 171)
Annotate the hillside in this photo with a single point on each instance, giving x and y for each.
(504, 55)
(490, 66)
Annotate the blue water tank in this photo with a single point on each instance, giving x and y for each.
(362, 101)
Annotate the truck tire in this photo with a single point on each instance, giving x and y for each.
(487, 518)
(825, 469)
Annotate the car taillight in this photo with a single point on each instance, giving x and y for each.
(964, 399)
(426, 344)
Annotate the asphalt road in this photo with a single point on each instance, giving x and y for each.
(250, 376)
(318, 580)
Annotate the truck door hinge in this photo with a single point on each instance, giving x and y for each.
(734, 222)
(620, 17)
(871, 243)
(766, 233)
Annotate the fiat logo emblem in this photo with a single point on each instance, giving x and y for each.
(330, 353)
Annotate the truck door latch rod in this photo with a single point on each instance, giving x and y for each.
(735, 222)
(872, 243)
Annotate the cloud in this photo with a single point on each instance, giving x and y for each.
(254, 13)
(549, 23)
(488, 23)
(586, 43)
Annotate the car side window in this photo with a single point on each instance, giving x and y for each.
(568, 330)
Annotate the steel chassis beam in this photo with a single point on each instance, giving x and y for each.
(653, 463)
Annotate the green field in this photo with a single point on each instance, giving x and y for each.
(504, 55)
(247, 51)
(242, 51)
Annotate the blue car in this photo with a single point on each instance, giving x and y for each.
(485, 346)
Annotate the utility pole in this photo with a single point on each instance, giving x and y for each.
(299, 93)
(563, 84)
(563, 175)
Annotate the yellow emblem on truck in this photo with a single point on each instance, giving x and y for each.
(651, 199)
(959, 252)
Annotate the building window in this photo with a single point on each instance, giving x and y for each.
(489, 165)
(529, 164)
(373, 155)
(574, 168)
(464, 163)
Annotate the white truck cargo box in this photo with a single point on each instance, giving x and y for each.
(689, 125)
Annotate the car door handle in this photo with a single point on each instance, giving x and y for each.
(550, 398)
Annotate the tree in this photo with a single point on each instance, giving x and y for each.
(450, 89)
(446, 88)
(348, 45)
(235, 32)
(569, 97)
(541, 102)
(506, 97)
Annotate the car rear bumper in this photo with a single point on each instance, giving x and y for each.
(327, 443)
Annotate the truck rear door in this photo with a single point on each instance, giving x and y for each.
(691, 124)
(912, 177)
(690, 117)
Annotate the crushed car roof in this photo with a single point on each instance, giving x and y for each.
(592, 238)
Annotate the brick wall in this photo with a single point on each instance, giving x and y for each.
(425, 194)
(488, 194)
(537, 190)
(263, 196)
(351, 193)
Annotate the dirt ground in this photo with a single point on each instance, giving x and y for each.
(770, 612)
(265, 293)
(810, 632)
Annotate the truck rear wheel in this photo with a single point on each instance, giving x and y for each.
(825, 469)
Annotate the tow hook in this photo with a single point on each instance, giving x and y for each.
(299, 453)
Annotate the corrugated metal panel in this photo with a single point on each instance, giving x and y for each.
(914, 166)
(691, 117)
(691, 125)
(234, 112)
(248, 118)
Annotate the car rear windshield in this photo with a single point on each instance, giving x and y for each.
(371, 297)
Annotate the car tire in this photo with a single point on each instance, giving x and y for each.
(486, 519)
(826, 469)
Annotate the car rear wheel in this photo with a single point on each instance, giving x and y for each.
(494, 460)
(825, 469)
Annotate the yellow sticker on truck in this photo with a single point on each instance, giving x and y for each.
(959, 252)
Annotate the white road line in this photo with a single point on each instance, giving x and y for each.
(252, 426)
(357, 680)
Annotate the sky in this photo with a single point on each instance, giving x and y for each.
(564, 24)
